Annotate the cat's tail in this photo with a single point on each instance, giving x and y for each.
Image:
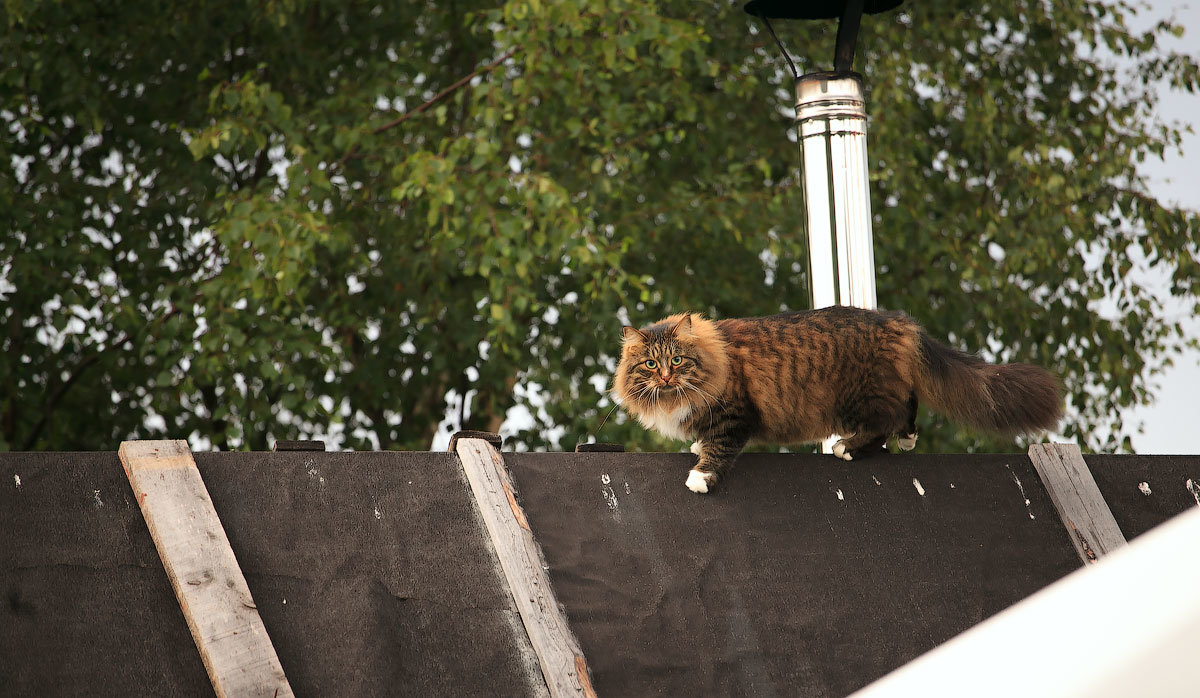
(1006, 399)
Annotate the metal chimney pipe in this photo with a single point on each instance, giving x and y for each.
(831, 122)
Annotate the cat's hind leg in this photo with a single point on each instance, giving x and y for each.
(907, 440)
(876, 418)
(859, 445)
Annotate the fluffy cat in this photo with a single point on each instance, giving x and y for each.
(800, 377)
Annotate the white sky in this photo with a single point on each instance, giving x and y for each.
(1170, 424)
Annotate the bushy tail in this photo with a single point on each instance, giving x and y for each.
(1006, 399)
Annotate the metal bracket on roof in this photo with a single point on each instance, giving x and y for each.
(304, 445)
(488, 436)
(599, 448)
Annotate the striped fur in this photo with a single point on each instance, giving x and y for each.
(800, 377)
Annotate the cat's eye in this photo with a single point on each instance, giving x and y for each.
(651, 364)
(676, 360)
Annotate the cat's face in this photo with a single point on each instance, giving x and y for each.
(663, 366)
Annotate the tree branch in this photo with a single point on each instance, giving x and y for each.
(442, 95)
(261, 164)
(436, 98)
(52, 400)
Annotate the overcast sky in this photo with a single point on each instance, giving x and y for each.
(1171, 423)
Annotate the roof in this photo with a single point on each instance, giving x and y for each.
(368, 569)
(373, 573)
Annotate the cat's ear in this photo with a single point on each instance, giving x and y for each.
(684, 326)
(632, 334)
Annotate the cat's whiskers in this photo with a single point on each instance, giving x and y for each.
(646, 395)
(687, 386)
(711, 399)
(708, 399)
(707, 403)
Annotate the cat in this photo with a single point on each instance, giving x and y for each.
(800, 377)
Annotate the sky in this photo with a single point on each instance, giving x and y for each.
(1170, 423)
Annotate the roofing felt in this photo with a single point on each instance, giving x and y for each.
(373, 575)
(1120, 479)
(801, 575)
(89, 608)
(368, 569)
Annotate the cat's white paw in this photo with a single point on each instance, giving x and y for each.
(907, 443)
(699, 482)
(696, 447)
(839, 451)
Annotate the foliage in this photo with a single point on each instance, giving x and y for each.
(280, 219)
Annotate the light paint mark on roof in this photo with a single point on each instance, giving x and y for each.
(610, 496)
(1022, 489)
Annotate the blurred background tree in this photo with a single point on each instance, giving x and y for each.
(236, 222)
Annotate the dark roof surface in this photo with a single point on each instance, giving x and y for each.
(800, 575)
(89, 609)
(368, 569)
(1118, 477)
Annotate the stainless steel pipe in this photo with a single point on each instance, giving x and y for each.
(831, 119)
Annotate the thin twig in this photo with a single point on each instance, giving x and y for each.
(441, 95)
(436, 98)
(52, 400)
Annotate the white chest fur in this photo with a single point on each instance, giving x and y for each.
(669, 423)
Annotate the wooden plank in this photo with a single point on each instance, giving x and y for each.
(203, 570)
(561, 659)
(1090, 524)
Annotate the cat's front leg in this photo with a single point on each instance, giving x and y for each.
(717, 454)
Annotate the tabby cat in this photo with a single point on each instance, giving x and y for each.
(802, 376)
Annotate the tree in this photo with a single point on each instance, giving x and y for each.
(256, 221)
